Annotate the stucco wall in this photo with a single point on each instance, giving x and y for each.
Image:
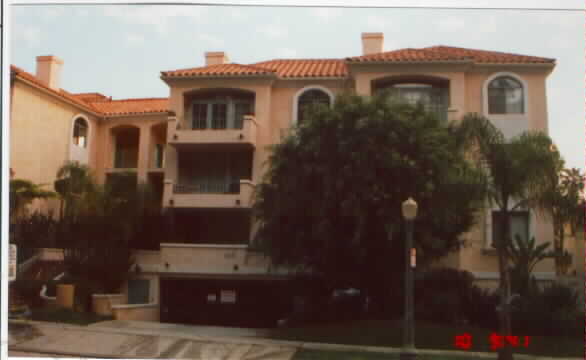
(41, 127)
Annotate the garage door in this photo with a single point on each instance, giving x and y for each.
(239, 303)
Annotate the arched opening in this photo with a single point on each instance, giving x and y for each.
(505, 96)
(80, 132)
(308, 97)
(432, 92)
(217, 109)
(126, 140)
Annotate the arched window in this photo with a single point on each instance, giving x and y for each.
(80, 132)
(505, 96)
(309, 98)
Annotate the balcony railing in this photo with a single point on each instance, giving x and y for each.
(209, 195)
(210, 187)
(239, 134)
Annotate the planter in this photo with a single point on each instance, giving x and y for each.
(65, 295)
(102, 303)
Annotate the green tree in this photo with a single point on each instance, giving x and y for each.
(524, 255)
(330, 203)
(518, 170)
(74, 184)
(564, 202)
(22, 193)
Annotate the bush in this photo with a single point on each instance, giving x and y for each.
(552, 311)
(67, 316)
(29, 291)
(444, 295)
(481, 308)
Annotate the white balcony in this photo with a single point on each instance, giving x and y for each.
(189, 196)
(184, 136)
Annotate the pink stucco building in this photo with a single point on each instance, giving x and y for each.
(204, 146)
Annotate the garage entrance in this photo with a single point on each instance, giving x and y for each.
(225, 302)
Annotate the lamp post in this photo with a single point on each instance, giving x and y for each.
(409, 210)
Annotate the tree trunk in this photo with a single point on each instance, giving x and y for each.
(504, 353)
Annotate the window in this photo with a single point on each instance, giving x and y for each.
(159, 151)
(80, 131)
(138, 291)
(432, 93)
(519, 225)
(220, 113)
(308, 99)
(505, 96)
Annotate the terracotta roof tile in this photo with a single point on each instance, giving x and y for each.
(132, 106)
(448, 53)
(484, 56)
(62, 93)
(306, 68)
(91, 97)
(219, 70)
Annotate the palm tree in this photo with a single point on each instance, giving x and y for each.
(565, 204)
(518, 177)
(525, 254)
(22, 193)
(74, 182)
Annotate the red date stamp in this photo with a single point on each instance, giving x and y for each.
(497, 341)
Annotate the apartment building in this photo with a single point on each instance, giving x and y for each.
(205, 146)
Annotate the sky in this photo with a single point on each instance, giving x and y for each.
(120, 50)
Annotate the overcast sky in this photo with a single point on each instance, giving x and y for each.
(119, 51)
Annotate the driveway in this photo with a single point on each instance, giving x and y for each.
(154, 342)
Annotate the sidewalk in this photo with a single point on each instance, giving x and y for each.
(159, 340)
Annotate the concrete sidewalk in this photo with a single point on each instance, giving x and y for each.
(157, 340)
(104, 342)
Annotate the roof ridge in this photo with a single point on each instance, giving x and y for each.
(440, 47)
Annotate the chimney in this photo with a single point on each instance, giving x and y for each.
(372, 43)
(216, 57)
(49, 71)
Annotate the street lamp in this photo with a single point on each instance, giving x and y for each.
(409, 210)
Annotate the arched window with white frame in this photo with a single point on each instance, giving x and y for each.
(80, 132)
(506, 96)
(308, 97)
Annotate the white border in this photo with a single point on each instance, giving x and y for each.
(5, 141)
(304, 89)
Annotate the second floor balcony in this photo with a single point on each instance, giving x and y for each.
(243, 133)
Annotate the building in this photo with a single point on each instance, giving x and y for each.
(204, 147)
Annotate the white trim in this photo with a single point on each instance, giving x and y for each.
(524, 114)
(304, 89)
(135, 306)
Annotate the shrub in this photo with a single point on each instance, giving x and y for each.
(549, 312)
(443, 294)
(29, 291)
(481, 308)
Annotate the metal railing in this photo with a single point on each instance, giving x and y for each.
(208, 187)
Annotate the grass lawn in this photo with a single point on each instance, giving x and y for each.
(66, 316)
(427, 336)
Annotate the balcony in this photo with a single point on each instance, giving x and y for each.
(210, 195)
(244, 134)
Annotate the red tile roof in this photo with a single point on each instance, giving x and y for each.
(132, 106)
(449, 53)
(99, 103)
(92, 97)
(61, 93)
(219, 70)
(484, 56)
(407, 55)
(306, 68)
